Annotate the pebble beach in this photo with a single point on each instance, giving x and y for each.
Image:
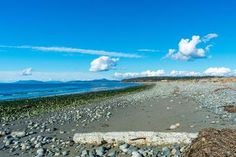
(169, 106)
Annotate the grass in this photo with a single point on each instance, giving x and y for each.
(12, 110)
(169, 78)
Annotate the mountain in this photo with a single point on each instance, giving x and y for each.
(29, 82)
(57, 82)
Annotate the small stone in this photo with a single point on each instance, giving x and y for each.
(23, 146)
(18, 134)
(38, 145)
(124, 147)
(213, 122)
(136, 154)
(65, 153)
(40, 152)
(84, 153)
(2, 133)
(174, 126)
(112, 154)
(100, 151)
(173, 151)
(166, 151)
(57, 154)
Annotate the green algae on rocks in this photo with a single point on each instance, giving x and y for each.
(16, 109)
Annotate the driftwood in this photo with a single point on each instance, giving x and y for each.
(224, 88)
(139, 138)
(230, 109)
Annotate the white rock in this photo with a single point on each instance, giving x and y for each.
(18, 134)
(136, 154)
(40, 151)
(174, 126)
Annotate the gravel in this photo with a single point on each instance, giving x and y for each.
(49, 134)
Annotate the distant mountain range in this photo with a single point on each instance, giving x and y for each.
(55, 82)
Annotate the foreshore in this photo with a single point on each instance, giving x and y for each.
(49, 126)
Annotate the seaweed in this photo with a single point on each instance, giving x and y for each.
(213, 142)
(12, 110)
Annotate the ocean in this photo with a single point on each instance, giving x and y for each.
(34, 89)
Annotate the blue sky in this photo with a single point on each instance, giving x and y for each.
(85, 39)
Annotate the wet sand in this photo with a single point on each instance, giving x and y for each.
(157, 115)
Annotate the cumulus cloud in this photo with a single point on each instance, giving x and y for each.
(147, 73)
(103, 63)
(218, 71)
(188, 49)
(74, 50)
(212, 71)
(27, 72)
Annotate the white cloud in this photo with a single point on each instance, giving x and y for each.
(218, 71)
(27, 72)
(148, 50)
(189, 48)
(75, 50)
(170, 53)
(184, 73)
(212, 71)
(210, 36)
(103, 63)
(141, 74)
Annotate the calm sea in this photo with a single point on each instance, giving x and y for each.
(12, 91)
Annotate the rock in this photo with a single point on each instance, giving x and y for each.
(112, 154)
(40, 151)
(84, 153)
(108, 114)
(65, 153)
(2, 133)
(173, 151)
(8, 142)
(166, 151)
(57, 154)
(62, 132)
(38, 145)
(100, 151)
(174, 126)
(124, 147)
(39, 155)
(136, 154)
(18, 134)
(23, 146)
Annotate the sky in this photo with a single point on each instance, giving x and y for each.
(88, 39)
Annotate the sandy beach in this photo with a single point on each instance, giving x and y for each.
(176, 106)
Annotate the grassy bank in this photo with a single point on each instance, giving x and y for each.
(11, 110)
(169, 78)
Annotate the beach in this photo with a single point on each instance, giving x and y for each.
(165, 106)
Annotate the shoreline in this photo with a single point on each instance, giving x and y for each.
(135, 84)
(13, 107)
(159, 108)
